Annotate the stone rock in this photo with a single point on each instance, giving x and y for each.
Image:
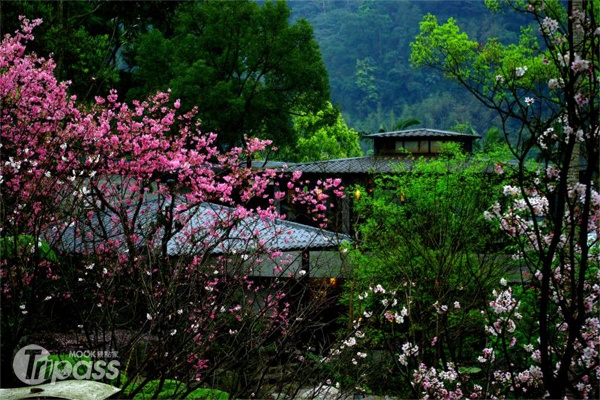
(71, 390)
(321, 392)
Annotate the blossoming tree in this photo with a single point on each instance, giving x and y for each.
(545, 90)
(540, 330)
(125, 229)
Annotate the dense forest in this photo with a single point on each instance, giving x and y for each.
(141, 47)
(366, 48)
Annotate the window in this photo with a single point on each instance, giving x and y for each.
(413, 146)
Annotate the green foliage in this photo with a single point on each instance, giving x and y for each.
(405, 123)
(79, 42)
(499, 75)
(322, 136)
(243, 64)
(96, 45)
(423, 235)
(83, 60)
(441, 45)
(155, 72)
(172, 388)
(543, 88)
(365, 82)
(12, 246)
(496, 72)
(87, 38)
(446, 48)
(99, 48)
(375, 36)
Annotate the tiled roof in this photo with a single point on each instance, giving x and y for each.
(275, 234)
(245, 236)
(352, 165)
(262, 164)
(429, 133)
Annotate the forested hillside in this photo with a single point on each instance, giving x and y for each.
(365, 45)
(366, 49)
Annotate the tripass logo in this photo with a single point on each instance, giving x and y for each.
(34, 365)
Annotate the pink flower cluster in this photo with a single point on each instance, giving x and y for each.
(150, 208)
(444, 384)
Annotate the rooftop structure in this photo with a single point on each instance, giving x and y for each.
(304, 246)
(418, 141)
(346, 166)
(390, 150)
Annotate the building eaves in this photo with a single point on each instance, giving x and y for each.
(422, 133)
(357, 165)
(198, 235)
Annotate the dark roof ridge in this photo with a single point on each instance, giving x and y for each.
(281, 221)
(420, 131)
(290, 165)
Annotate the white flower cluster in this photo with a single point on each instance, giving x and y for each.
(549, 26)
(579, 64)
(554, 84)
(408, 350)
(520, 71)
(511, 190)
